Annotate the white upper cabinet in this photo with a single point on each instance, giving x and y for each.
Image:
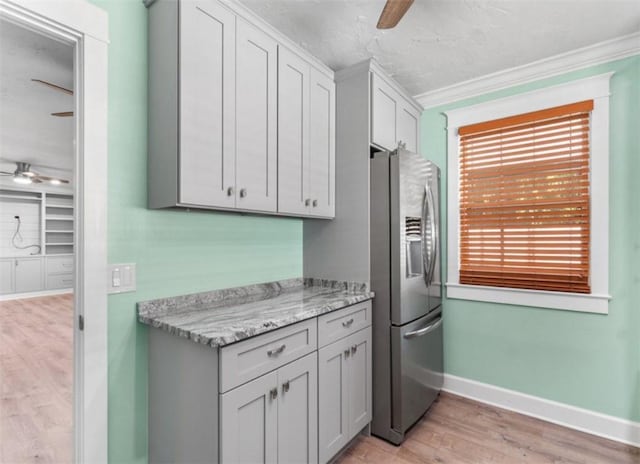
(293, 133)
(407, 127)
(384, 105)
(322, 145)
(394, 118)
(240, 118)
(207, 127)
(306, 138)
(256, 119)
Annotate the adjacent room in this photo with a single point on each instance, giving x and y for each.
(36, 246)
(305, 231)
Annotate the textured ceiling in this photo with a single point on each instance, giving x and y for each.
(27, 130)
(443, 42)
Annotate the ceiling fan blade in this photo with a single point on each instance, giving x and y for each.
(392, 13)
(5, 173)
(63, 114)
(54, 86)
(49, 179)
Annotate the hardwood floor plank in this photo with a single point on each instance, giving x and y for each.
(457, 430)
(36, 380)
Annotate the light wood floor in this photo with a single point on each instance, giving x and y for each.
(36, 380)
(460, 431)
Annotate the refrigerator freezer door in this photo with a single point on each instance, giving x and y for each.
(407, 195)
(417, 369)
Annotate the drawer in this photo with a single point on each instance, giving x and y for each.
(59, 264)
(58, 281)
(338, 324)
(248, 359)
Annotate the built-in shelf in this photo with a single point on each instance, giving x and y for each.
(59, 208)
(19, 197)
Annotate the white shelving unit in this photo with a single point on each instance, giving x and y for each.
(58, 224)
(48, 221)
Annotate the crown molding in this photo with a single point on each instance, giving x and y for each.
(610, 50)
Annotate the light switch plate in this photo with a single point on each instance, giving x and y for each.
(121, 278)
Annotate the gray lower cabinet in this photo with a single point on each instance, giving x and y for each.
(250, 417)
(272, 418)
(344, 398)
(272, 398)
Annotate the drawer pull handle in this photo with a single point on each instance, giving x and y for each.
(273, 393)
(285, 387)
(354, 348)
(347, 323)
(277, 351)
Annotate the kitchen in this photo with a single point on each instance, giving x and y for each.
(499, 353)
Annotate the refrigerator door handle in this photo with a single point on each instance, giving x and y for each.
(430, 210)
(424, 330)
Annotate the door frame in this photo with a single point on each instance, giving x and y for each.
(85, 27)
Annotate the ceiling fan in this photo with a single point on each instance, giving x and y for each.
(392, 13)
(62, 114)
(24, 175)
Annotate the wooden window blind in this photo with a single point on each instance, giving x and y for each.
(524, 200)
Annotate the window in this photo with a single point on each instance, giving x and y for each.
(527, 176)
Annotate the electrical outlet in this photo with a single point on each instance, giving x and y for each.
(121, 278)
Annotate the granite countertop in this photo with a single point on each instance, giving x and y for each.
(226, 316)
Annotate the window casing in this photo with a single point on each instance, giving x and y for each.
(531, 227)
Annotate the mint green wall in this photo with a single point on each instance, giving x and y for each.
(176, 252)
(586, 360)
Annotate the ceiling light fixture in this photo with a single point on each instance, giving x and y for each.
(22, 179)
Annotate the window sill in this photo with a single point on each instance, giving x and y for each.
(537, 298)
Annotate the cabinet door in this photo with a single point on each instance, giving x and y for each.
(322, 144)
(256, 119)
(359, 384)
(293, 136)
(298, 411)
(408, 119)
(7, 276)
(249, 422)
(384, 102)
(207, 104)
(28, 275)
(333, 413)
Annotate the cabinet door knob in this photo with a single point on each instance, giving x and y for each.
(243, 193)
(307, 201)
(315, 203)
(285, 387)
(229, 191)
(273, 393)
(346, 353)
(354, 348)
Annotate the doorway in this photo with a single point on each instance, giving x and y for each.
(53, 104)
(37, 232)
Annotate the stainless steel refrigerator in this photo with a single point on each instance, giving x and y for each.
(405, 276)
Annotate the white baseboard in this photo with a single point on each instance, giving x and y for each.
(591, 422)
(21, 296)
